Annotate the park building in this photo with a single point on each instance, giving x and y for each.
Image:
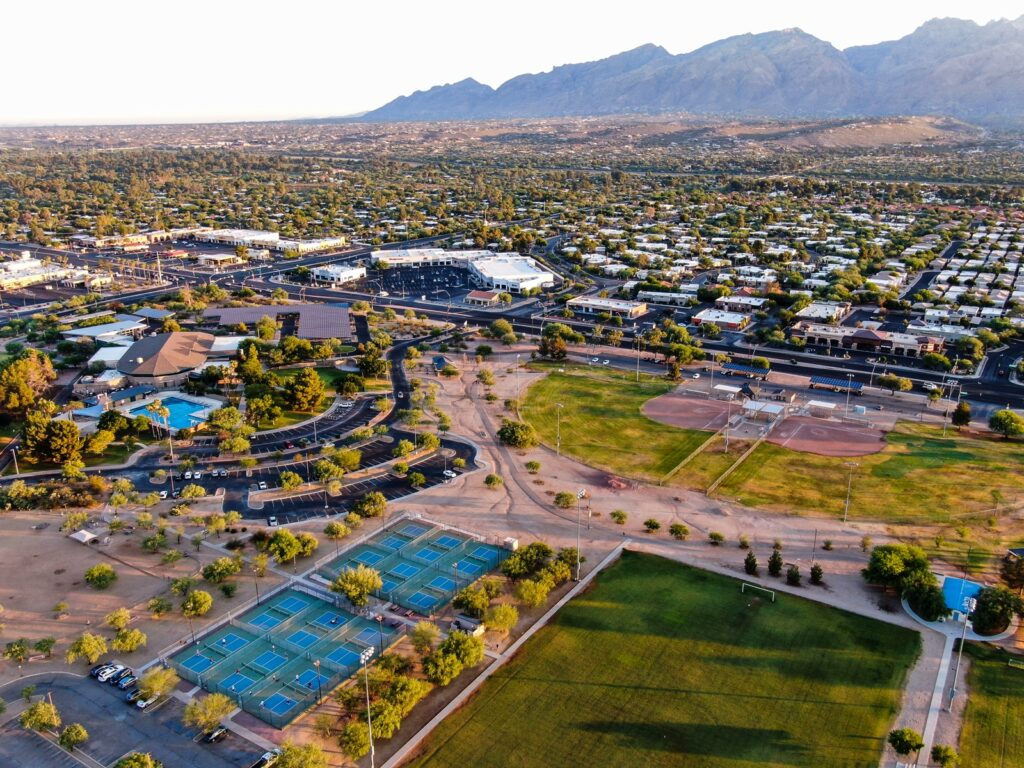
(507, 272)
(595, 305)
(867, 339)
(165, 360)
(337, 274)
(728, 321)
(742, 304)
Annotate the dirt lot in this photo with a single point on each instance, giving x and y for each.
(685, 412)
(827, 438)
(44, 567)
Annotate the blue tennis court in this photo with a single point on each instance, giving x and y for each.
(236, 682)
(406, 570)
(279, 704)
(428, 554)
(368, 557)
(343, 657)
(411, 529)
(292, 604)
(265, 621)
(269, 661)
(957, 591)
(423, 600)
(302, 639)
(446, 541)
(467, 568)
(388, 586)
(443, 583)
(330, 619)
(232, 643)
(393, 542)
(368, 636)
(484, 553)
(308, 678)
(197, 663)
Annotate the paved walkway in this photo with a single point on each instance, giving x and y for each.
(407, 749)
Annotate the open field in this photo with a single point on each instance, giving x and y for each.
(919, 477)
(708, 465)
(328, 375)
(665, 665)
(602, 422)
(993, 732)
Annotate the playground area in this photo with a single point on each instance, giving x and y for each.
(422, 565)
(827, 438)
(282, 656)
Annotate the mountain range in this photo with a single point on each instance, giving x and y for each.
(946, 67)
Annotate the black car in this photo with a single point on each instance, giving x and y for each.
(115, 679)
(98, 668)
(133, 695)
(217, 734)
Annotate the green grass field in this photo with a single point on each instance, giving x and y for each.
(919, 477)
(993, 732)
(664, 665)
(329, 376)
(602, 424)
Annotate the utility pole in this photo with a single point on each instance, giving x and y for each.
(852, 465)
(579, 495)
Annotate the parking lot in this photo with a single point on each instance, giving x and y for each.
(117, 728)
(436, 283)
(333, 424)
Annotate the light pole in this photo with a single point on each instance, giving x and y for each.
(14, 455)
(380, 631)
(364, 657)
(852, 465)
(579, 495)
(517, 379)
(849, 389)
(968, 605)
(558, 428)
(319, 691)
(256, 583)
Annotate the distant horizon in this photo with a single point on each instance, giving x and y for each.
(110, 63)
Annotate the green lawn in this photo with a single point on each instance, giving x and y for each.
(708, 465)
(294, 417)
(664, 665)
(328, 375)
(919, 477)
(602, 424)
(993, 733)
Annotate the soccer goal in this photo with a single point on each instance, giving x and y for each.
(744, 585)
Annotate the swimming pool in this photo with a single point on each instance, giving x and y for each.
(182, 413)
(956, 591)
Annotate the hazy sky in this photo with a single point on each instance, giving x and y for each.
(107, 61)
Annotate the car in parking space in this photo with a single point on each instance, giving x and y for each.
(127, 682)
(144, 703)
(268, 758)
(109, 672)
(197, 475)
(163, 494)
(99, 668)
(289, 444)
(450, 473)
(217, 734)
(272, 521)
(119, 676)
(346, 404)
(262, 485)
(188, 475)
(696, 376)
(595, 360)
(133, 695)
(606, 362)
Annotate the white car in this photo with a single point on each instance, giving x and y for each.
(197, 475)
(188, 475)
(143, 703)
(449, 473)
(263, 485)
(109, 672)
(163, 494)
(696, 376)
(595, 360)
(346, 404)
(606, 362)
(272, 521)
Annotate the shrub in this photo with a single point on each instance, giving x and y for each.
(564, 499)
(827, 545)
(618, 517)
(750, 563)
(744, 541)
(716, 538)
(228, 589)
(679, 531)
(793, 576)
(533, 467)
(100, 576)
(817, 574)
(493, 481)
(775, 563)
(652, 525)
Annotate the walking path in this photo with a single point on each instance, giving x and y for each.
(407, 749)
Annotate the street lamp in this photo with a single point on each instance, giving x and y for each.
(558, 428)
(849, 389)
(968, 605)
(319, 691)
(14, 455)
(380, 631)
(852, 465)
(579, 495)
(364, 657)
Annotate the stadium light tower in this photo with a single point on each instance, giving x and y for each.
(851, 465)
(968, 605)
(364, 657)
(579, 496)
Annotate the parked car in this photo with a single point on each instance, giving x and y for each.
(143, 703)
(606, 362)
(217, 734)
(99, 668)
(272, 521)
(119, 676)
(109, 672)
(188, 475)
(450, 473)
(163, 494)
(268, 758)
(197, 475)
(262, 485)
(127, 682)
(133, 695)
(696, 376)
